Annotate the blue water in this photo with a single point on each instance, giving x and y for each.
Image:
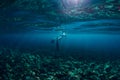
(82, 37)
(90, 43)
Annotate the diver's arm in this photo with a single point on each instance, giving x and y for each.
(61, 36)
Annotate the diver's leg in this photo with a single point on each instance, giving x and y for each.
(57, 45)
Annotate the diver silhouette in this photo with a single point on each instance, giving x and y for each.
(57, 43)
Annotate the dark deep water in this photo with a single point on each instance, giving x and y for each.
(59, 40)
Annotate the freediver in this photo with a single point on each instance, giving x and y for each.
(57, 47)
